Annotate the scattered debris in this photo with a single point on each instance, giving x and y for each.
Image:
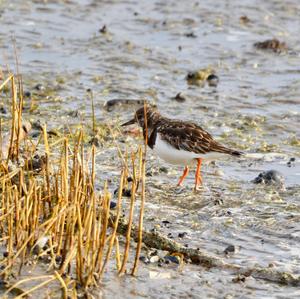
(291, 162)
(270, 177)
(179, 97)
(244, 20)
(190, 34)
(199, 77)
(103, 30)
(272, 44)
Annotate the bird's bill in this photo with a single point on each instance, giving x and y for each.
(130, 122)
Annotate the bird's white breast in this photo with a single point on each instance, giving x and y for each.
(180, 157)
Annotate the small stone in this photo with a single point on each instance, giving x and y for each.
(182, 235)
(170, 236)
(165, 222)
(179, 97)
(112, 205)
(244, 20)
(212, 80)
(39, 87)
(58, 259)
(103, 30)
(290, 162)
(230, 249)
(172, 259)
(272, 45)
(144, 259)
(239, 278)
(270, 177)
(126, 192)
(3, 110)
(27, 94)
(191, 34)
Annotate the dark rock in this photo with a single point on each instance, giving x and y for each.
(218, 201)
(27, 94)
(103, 30)
(239, 278)
(58, 259)
(244, 20)
(290, 162)
(270, 177)
(126, 192)
(3, 110)
(144, 259)
(113, 205)
(212, 80)
(271, 45)
(191, 34)
(166, 222)
(170, 236)
(182, 235)
(39, 87)
(230, 249)
(179, 98)
(171, 259)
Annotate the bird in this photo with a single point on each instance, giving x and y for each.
(179, 142)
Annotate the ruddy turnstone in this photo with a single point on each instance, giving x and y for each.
(179, 142)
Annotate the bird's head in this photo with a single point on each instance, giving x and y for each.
(145, 117)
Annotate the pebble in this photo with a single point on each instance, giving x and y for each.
(144, 259)
(212, 80)
(171, 259)
(165, 222)
(272, 44)
(103, 30)
(191, 34)
(230, 249)
(182, 235)
(270, 177)
(3, 110)
(39, 87)
(113, 205)
(27, 94)
(290, 162)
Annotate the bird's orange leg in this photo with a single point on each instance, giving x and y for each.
(198, 177)
(185, 173)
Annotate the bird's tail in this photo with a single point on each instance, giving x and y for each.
(226, 150)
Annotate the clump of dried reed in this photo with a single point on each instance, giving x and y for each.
(56, 212)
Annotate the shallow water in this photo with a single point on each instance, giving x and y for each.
(255, 108)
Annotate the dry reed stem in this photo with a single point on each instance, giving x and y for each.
(128, 234)
(115, 225)
(141, 217)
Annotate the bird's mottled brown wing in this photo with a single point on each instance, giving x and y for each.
(191, 137)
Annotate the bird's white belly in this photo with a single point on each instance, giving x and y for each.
(180, 157)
